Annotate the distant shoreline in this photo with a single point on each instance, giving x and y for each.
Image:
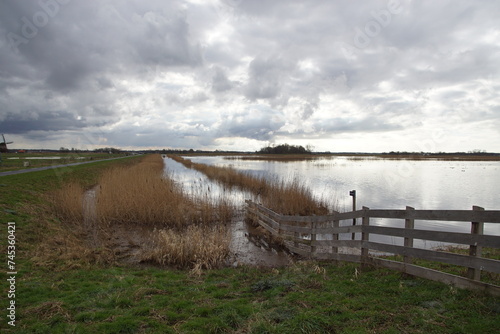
(361, 156)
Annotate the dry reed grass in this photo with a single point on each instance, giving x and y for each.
(288, 198)
(67, 202)
(195, 247)
(192, 231)
(140, 195)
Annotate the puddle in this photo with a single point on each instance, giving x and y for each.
(249, 247)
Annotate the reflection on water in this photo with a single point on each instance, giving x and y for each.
(197, 184)
(390, 184)
(246, 246)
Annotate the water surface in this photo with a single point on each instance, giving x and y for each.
(389, 184)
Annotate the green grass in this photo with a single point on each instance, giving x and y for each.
(308, 297)
(486, 276)
(297, 299)
(15, 161)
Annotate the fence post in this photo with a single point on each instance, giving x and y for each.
(313, 238)
(409, 226)
(353, 194)
(335, 236)
(475, 250)
(364, 236)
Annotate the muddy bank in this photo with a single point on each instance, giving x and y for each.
(248, 245)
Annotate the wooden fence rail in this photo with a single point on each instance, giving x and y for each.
(305, 235)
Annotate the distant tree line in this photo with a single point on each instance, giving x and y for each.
(473, 152)
(285, 149)
(97, 150)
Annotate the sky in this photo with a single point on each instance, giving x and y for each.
(339, 76)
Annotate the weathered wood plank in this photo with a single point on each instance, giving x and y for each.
(451, 237)
(266, 219)
(338, 230)
(335, 236)
(323, 230)
(460, 282)
(477, 228)
(365, 235)
(300, 251)
(269, 228)
(337, 243)
(409, 225)
(487, 216)
(425, 254)
(297, 229)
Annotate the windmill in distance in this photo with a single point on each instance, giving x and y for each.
(3, 145)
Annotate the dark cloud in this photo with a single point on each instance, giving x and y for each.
(184, 72)
(40, 121)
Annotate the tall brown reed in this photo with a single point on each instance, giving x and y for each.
(290, 198)
(67, 202)
(140, 195)
(188, 231)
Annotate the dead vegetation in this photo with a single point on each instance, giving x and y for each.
(196, 246)
(184, 231)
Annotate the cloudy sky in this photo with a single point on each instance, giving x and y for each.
(369, 76)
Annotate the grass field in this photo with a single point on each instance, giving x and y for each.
(13, 161)
(71, 295)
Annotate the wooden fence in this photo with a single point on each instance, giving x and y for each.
(305, 235)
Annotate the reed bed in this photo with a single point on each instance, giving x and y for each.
(288, 198)
(140, 195)
(203, 247)
(185, 231)
(67, 202)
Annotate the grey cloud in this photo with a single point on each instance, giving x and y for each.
(220, 82)
(189, 72)
(369, 124)
(40, 121)
(253, 123)
(266, 78)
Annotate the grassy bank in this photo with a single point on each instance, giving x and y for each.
(305, 298)
(76, 296)
(14, 161)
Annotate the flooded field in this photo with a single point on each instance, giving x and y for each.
(247, 245)
(382, 184)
